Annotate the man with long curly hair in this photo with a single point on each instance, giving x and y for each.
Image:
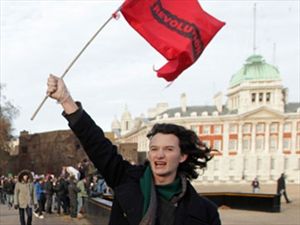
(158, 192)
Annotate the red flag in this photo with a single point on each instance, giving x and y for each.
(179, 29)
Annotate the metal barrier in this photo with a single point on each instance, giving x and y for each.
(246, 201)
(98, 209)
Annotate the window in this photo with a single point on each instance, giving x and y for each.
(286, 163)
(206, 129)
(259, 164)
(268, 97)
(246, 164)
(24, 149)
(259, 143)
(217, 144)
(253, 97)
(233, 128)
(231, 164)
(260, 128)
(287, 127)
(232, 144)
(273, 142)
(274, 127)
(299, 164)
(247, 128)
(217, 129)
(286, 143)
(195, 128)
(77, 146)
(298, 142)
(261, 97)
(272, 164)
(246, 143)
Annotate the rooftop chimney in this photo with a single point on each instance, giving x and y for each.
(218, 101)
(183, 102)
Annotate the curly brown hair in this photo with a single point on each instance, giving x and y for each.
(190, 144)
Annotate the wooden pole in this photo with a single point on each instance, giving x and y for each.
(75, 59)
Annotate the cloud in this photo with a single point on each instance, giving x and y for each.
(42, 37)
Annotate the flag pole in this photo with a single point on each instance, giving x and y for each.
(77, 56)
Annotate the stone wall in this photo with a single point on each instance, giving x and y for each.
(48, 152)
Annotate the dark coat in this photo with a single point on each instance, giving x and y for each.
(124, 179)
(49, 188)
(61, 187)
(73, 191)
(8, 187)
(280, 184)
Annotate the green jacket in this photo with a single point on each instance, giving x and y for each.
(82, 192)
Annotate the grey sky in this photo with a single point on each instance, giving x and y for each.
(42, 37)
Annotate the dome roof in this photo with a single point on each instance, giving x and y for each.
(255, 69)
(126, 115)
(115, 124)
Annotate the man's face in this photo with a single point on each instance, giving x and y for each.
(164, 156)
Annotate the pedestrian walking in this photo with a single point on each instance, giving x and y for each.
(24, 196)
(281, 187)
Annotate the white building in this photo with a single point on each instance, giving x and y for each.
(257, 131)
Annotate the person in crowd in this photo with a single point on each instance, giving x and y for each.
(2, 192)
(43, 195)
(49, 193)
(24, 196)
(159, 192)
(39, 191)
(255, 185)
(281, 187)
(8, 187)
(61, 189)
(81, 197)
(81, 169)
(73, 192)
(71, 171)
(97, 186)
(54, 196)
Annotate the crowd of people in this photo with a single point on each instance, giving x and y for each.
(42, 194)
(67, 193)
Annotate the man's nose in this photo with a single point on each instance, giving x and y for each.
(160, 153)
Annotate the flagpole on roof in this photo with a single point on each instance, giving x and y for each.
(254, 29)
(114, 15)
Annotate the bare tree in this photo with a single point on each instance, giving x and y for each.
(7, 113)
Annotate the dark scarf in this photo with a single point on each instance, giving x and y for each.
(170, 192)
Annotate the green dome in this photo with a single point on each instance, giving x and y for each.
(255, 69)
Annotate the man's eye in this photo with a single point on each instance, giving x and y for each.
(153, 149)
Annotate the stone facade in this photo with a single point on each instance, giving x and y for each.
(47, 152)
(257, 132)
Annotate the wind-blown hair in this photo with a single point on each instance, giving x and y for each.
(198, 153)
